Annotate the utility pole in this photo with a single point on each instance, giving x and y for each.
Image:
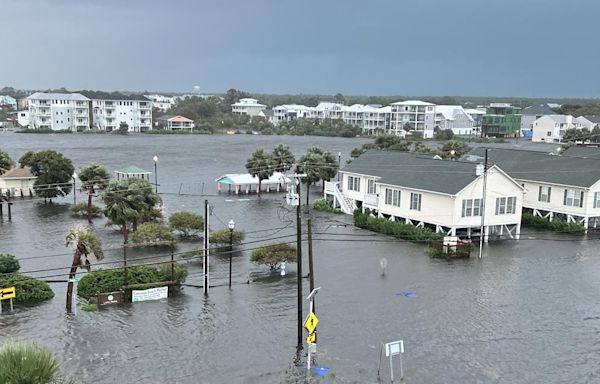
(299, 257)
(483, 234)
(311, 273)
(205, 266)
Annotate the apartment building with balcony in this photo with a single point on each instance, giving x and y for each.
(412, 115)
(247, 106)
(290, 112)
(59, 111)
(501, 120)
(109, 110)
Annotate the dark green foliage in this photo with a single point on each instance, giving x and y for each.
(81, 209)
(44, 130)
(314, 127)
(386, 141)
(89, 307)
(94, 177)
(283, 159)
(444, 134)
(8, 263)
(29, 290)
(325, 206)
(453, 149)
(317, 165)
(438, 250)
(402, 147)
(274, 254)
(391, 228)
(112, 280)
(123, 129)
(6, 162)
(187, 223)
(261, 165)
(529, 220)
(221, 237)
(148, 233)
(54, 172)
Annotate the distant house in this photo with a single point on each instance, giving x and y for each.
(444, 195)
(531, 114)
(23, 118)
(175, 123)
(454, 117)
(162, 102)
(556, 186)
(247, 106)
(552, 128)
(8, 101)
(268, 114)
(17, 181)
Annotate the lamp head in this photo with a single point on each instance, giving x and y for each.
(155, 158)
(74, 175)
(231, 224)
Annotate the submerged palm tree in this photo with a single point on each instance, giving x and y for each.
(85, 243)
(27, 363)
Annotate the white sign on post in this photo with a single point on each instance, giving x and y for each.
(394, 348)
(150, 294)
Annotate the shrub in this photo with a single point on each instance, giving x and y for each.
(325, 206)
(112, 280)
(273, 255)
(403, 146)
(8, 263)
(90, 307)
(29, 290)
(80, 209)
(527, 219)
(444, 134)
(392, 228)
(188, 223)
(222, 236)
(151, 233)
(27, 363)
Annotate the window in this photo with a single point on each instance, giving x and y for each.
(392, 197)
(544, 194)
(353, 183)
(371, 186)
(415, 201)
(472, 207)
(597, 200)
(573, 198)
(549, 134)
(506, 205)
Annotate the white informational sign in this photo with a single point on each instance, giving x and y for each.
(394, 348)
(149, 294)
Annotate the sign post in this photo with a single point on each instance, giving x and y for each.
(392, 349)
(74, 280)
(7, 294)
(310, 324)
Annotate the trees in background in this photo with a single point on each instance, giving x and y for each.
(54, 173)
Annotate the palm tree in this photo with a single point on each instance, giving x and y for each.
(318, 165)
(94, 177)
(85, 243)
(27, 363)
(283, 158)
(130, 202)
(260, 165)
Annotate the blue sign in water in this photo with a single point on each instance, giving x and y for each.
(406, 294)
(321, 371)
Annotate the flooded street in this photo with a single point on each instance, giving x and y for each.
(528, 312)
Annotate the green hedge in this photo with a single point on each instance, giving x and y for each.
(529, 220)
(8, 263)
(392, 228)
(325, 206)
(112, 280)
(29, 290)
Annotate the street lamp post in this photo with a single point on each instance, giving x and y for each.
(339, 163)
(231, 225)
(74, 194)
(155, 158)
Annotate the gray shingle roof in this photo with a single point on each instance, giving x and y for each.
(583, 151)
(414, 171)
(541, 109)
(538, 166)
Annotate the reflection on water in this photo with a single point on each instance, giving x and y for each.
(527, 313)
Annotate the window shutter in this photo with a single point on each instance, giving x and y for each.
(549, 193)
(463, 207)
(540, 194)
(565, 199)
(497, 206)
(581, 200)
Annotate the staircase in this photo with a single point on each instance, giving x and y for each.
(346, 204)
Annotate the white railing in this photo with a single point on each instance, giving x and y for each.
(371, 200)
(331, 188)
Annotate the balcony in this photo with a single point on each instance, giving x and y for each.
(371, 200)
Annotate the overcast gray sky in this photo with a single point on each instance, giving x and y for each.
(370, 47)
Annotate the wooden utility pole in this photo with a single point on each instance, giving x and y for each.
(299, 257)
(205, 266)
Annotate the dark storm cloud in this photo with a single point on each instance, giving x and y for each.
(476, 47)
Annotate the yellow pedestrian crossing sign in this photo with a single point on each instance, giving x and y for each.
(311, 339)
(8, 293)
(311, 322)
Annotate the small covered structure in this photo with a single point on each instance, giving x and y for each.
(171, 123)
(246, 182)
(17, 181)
(133, 172)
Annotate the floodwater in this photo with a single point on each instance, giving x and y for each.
(528, 312)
